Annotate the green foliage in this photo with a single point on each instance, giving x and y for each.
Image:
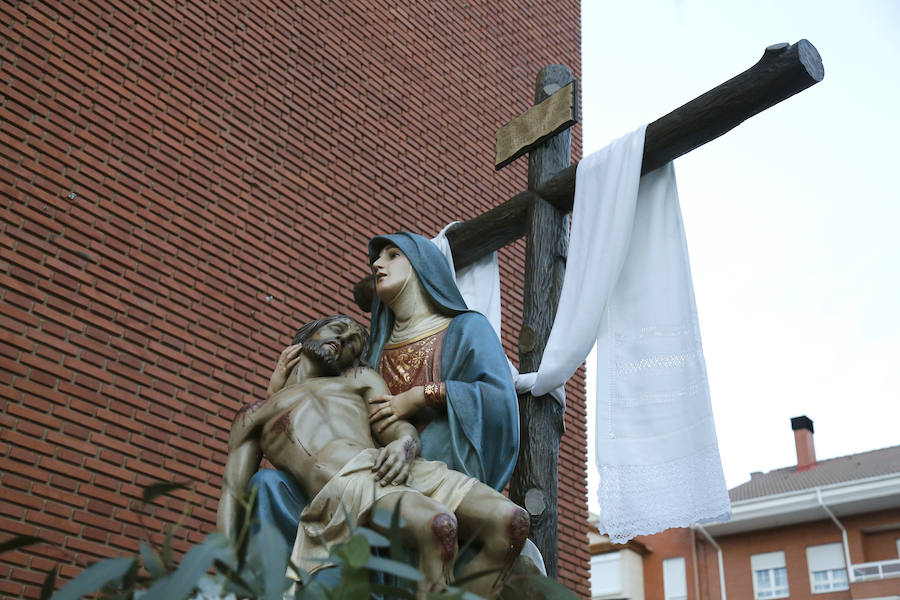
(152, 562)
(20, 541)
(104, 574)
(48, 585)
(255, 567)
(194, 566)
(160, 488)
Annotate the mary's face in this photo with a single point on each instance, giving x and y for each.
(392, 273)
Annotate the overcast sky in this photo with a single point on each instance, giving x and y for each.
(792, 218)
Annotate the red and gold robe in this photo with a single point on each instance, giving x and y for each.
(413, 362)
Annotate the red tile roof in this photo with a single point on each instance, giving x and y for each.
(874, 463)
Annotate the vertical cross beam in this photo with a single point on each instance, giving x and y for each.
(534, 482)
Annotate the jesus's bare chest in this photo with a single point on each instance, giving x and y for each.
(315, 414)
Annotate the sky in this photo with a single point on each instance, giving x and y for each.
(792, 218)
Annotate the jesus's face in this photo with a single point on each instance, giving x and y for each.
(336, 344)
(392, 273)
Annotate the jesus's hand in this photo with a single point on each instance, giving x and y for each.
(393, 465)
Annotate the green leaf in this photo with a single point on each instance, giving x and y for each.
(305, 577)
(352, 581)
(376, 540)
(234, 582)
(193, 566)
(394, 527)
(160, 488)
(313, 591)
(168, 557)
(358, 589)
(129, 580)
(390, 591)
(274, 561)
(551, 588)
(355, 551)
(383, 518)
(19, 541)
(95, 577)
(49, 584)
(393, 567)
(152, 562)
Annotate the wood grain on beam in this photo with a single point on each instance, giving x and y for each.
(535, 483)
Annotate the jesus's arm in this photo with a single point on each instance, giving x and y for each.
(400, 440)
(244, 454)
(241, 465)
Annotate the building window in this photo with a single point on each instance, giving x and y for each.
(769, 575)
(675, 578)
(827, 571)
(606, 574)
(828, 580)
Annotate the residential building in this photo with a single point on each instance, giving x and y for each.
(616, 569)
(817, 530)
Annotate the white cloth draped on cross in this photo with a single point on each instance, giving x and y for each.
(628, 289)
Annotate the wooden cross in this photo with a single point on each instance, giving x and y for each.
(540, 213)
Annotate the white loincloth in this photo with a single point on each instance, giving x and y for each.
(353, 491)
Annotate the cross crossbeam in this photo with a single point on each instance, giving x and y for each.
(783, 70)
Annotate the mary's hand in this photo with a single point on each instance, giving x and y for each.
(384, 410)
(393, 465)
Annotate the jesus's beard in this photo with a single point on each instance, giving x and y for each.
(323, 355)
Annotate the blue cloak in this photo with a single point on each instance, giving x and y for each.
(479, 435)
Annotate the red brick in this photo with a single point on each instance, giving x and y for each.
(64, 469)
(11, 588)
(32, 415)
(64, 482)
(92, 548)
(53, 522)
(27, 576)
(54, 493)
(11, 481)
(95, 521)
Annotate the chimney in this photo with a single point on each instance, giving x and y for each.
(803, 439)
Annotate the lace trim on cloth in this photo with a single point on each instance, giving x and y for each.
(666, 361)
(656, 449)
(629, 495)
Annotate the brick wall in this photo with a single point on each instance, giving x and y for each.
(183, 184)
(668, 544)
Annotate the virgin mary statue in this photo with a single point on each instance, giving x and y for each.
(443, 363)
